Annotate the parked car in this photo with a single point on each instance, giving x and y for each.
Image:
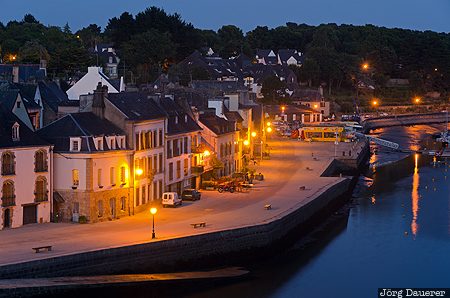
(190, 195)
(170, 199)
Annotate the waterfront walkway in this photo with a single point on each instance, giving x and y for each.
(293, 164)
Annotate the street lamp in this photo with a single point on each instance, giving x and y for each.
(269, 129)
(254, 134)
(246, 143)
(139, 171)
(206, 153)
(417, 100)
(153, 211)
(365, 66)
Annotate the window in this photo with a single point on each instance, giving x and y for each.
(122, 142)
(176, 147)
(112, 143)
(176, 119)
(186, 168)
(8, 163)
(178, 169)
(75, 177)
(185, 145)
(15, 132)
(169, 149)
(155, 190)
(150, 143)
(185, 118)
(18, 104)
(137, 144)
(8, 196)
(75, 144)
(160, 169)
(149, 166)
(138, 200)
(41, 192)
(171, 171)
(123, 204)
(99, 144)
(160, 189)
(144, 199)
(160, 137)
(112, 176)
(155, 140)
(100, 208)
(155, 163)
(99, 178)
(221, 151)
(40, 161)
(123, 175)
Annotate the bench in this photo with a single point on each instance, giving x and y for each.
(267, 206)
(199, 224)
(38, 249)
(302, 188)
(308, 169)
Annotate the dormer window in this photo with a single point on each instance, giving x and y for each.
(112, 143)
(185, 118)
(75, 144)
(15, 132)
(176, 119)
(18, 104)
(99, 143)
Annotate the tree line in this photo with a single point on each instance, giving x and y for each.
(152, 41)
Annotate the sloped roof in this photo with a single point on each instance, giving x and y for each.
(85, 125)
(217, 125)
(179, 121)
(136, 105)
(28, 138)
(8, 98)
(52, 95)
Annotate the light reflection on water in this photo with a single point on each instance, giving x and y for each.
(415, 196)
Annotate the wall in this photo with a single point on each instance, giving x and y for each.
(88, 83)
(174, 254)
(24, 185)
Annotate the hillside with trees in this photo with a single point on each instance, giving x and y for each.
(153, 41)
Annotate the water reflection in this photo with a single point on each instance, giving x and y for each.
(415, 196)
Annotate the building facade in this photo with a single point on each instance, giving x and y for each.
(26, 174)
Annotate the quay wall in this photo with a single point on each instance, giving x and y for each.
(178, 253)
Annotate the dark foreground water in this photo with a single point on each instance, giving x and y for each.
(397, 234)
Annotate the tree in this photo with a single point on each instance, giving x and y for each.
(89, 35)
(120, 30)
(67, 29)
(273, 89)
(309, 72)
(231, 41)
(28, 18)
(33, 52)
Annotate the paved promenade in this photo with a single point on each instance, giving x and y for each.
(290, 167)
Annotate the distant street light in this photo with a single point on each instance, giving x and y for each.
(206, 153)
(269, 129)
(417, 100)
(139, 171)
(246, 143)
(254, 134)
(153, 211)
(365, 66)
(374, 102)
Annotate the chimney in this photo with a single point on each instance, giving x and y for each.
(15, 74)
(98, 104)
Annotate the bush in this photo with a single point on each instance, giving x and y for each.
(82, 219)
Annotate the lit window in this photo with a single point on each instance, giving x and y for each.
(112, 176)
(75, 177)
(123, 174)
(99, 178)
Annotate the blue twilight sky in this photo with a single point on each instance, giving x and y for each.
(413, 14)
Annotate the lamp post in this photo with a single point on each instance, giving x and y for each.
(153, 211)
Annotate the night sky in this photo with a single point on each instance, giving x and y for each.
(412, 14)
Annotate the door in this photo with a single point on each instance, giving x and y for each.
(7, 218)
(112, 207)
(29, 214)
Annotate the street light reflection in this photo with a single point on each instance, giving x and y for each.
(415, 196)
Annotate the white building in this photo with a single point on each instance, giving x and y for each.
(144, 123)
(182, 133)
(88, 83)
(25, 180)
(92, 165)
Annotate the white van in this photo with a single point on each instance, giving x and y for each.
(170, 199)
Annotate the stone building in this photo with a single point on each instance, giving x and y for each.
(25, 178)
(92, 165)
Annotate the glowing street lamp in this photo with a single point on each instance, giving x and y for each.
(153, 211)
(139, 171)
(269, 124)
(283, 108)
(206, 153)
(417, 100)
(246, 143)
(374, 102)
(269, 129)
(253, 134)
(365, 66)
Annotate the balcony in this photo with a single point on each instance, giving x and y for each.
(197, 170)
(8, 201)
(40, 196)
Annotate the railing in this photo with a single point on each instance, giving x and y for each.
(197, 170)
(8, 201)
(41, 196)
